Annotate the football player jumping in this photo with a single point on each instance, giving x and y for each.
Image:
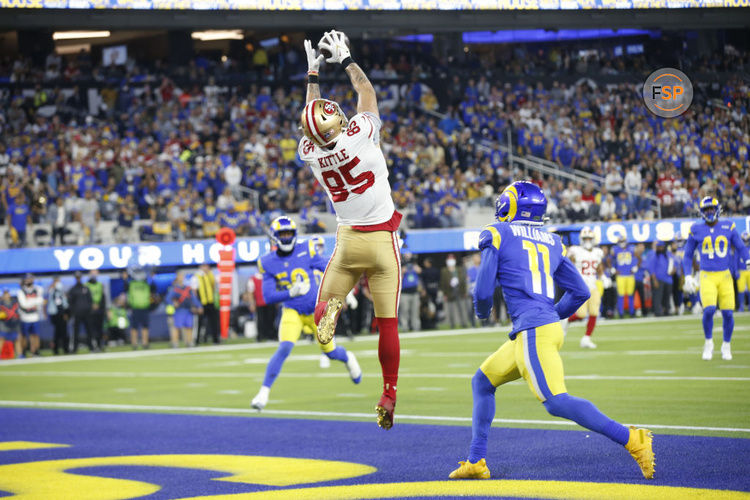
(588, 261)
(345, 157)
(289, 278)
(716, 286)
(527, 261)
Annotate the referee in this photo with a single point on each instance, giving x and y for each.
(208, 321)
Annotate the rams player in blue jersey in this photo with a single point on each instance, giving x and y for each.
(527, 261)
(291, 276)
(713, 239)
(743, 276)
(626, 265)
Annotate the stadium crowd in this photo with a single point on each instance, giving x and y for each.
(168, 161)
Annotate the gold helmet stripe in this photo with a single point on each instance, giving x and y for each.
(310, 117)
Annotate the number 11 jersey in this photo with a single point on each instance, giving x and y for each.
(528, 262)
(353, 173)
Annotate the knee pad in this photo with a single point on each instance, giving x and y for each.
(557, 405)
(709, 311)
(481, 384)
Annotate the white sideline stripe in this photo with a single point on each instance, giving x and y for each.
(404, 374)
(362, 338)
(248, 411)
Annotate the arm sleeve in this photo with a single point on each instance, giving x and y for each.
(484, 291)
(576, 290)
(687, 259)
(270, 293)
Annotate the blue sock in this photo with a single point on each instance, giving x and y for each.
(339, 354)
(621, 305)
(727, 316)
(631, 305)
(708, 322)
(744, 297)
(484, 412)
(585, 414)
(276, 362)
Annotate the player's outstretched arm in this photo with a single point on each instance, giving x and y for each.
(687, 258)
(313, 69)
(484, 290)
(576, 290)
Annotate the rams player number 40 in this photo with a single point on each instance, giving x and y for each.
(527, 262)
(713, 238)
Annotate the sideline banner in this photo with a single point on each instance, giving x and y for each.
(248, 250)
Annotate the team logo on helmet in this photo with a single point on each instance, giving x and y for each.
(329, 108)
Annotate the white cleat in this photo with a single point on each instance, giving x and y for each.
(261, 399)
(708, 350)
(325, 362)
(355, 372)
(726, 351)
(586, 343)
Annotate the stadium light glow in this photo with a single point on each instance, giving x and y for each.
(78, 35)
(205, 36)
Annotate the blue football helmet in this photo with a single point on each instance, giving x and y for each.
(284, 233)
(522, 201)
(710, 209)
(318, 245)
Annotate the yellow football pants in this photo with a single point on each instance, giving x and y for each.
(534, 355)
(717, 287)
(292, 325)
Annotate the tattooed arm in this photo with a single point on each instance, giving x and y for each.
(367, 100)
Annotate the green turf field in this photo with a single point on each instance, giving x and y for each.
(646, 372)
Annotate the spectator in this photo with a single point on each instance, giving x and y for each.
(661, 268)
(127, 214)
(410, 287)
(88, 216)
(608, 208)
(57, 311)
(79, 300)
(140, 297)
(181, 297)
(208, 319)
(453, 286)
(18, 219)
(98, 313)
(10, 326)
(31, 304)
(58, 217)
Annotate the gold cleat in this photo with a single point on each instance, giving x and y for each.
(384, 411)
(327, 324)
(640, 446)
(468, 470)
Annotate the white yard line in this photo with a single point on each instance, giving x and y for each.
(296, 413)
(405, 374)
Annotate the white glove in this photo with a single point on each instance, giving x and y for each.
(313, 61)
(690, 285)
(352, 301)
(335, 43)
(300, 287)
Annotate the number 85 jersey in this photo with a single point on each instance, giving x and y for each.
(526, 262)
(354, 172)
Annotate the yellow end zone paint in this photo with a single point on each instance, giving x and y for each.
(490, 488)
(51, 479)
(27, 445)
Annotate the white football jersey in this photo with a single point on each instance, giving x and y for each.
(353, 173)
(587, 262)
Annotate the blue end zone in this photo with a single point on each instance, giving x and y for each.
(407, 453)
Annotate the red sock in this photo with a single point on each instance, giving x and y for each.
(320, 308)
(590, 325)
(389, 353)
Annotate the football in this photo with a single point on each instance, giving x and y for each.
(327, 53)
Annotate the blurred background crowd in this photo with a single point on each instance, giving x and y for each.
(149, 151)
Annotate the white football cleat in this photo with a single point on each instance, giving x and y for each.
(708, 350)
(726, 351)
(586, 343)
(261, 399)
(355, 372)
(325, 361)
